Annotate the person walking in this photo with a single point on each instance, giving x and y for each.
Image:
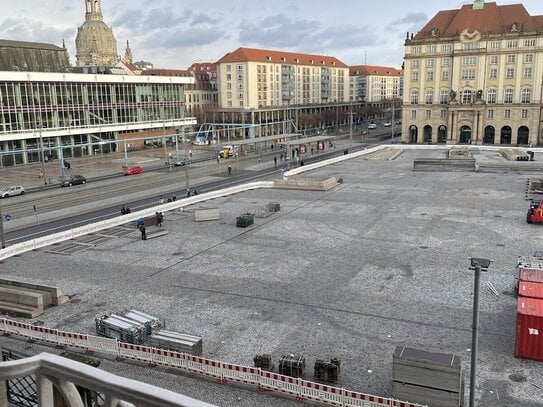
(275, 161)
(158, 216)
(229, 170)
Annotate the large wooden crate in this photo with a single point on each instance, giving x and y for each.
(292, 366)
(428, 377)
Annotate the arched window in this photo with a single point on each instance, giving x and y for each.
(491, 96)
(505, 136)
(488, 138)
(414, 97)
(429, 97)
(508, 96)
(523, 135)
(442, 134)
(465, 135)
(526, 95)
(444, 96)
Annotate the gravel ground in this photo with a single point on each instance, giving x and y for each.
(379, 261)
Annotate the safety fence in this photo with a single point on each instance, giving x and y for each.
(40, 242)
(224, 372)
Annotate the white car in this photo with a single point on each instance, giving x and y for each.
(13, 190)
(372, 126)
(387, 124)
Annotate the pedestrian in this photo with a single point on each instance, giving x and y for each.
(275, 161)
(188, 192)
(174, 197)
(158, 218)
(190, 153)
(311, 150)
(195, 192)
(123, 210)
(229, 170)
(141, 227)
(218, 159)
(281, 157)
(40, 173)
(127, 210)
(161, 200)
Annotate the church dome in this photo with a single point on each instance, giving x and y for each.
(95, 43)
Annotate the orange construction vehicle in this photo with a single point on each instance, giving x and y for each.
(535, 212)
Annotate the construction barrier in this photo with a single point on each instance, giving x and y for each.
(224, 372)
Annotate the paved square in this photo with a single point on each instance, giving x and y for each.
(379, 261)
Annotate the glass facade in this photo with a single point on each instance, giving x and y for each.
(25, 106)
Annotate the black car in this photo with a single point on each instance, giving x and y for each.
(73, 180)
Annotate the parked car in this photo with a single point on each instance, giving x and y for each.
(12, 190)
(372, 126)
(178, 163)
(73, 180)
(133, 170)
(387, 124)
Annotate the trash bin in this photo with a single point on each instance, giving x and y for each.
(531, 154)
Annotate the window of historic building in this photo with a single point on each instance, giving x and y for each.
(528, 58)
(468, 74)
(491, 96)
(429, 97)
(512, 44)
(526, 95)
(508, 96)
(429, 75)
(414, 97)
(430, 62)
(445, 75)
(443, 113)
(446, 48)
(490, 114)
(528, 72)
(413, 114)
(510, 73)
(428, 114)
(444, 96)
(507, 114)
(467, 97)
(493, 60)
(469, 60)
(493, 73)
(414, 76)
(524, 113)
(445, 62)
(529, 43)
(495, 44)
(415, 63)
(511, 58)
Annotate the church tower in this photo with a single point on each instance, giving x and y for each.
(95, 43)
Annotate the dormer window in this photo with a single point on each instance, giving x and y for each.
(268, 58)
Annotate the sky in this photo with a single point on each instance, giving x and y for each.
(174, 33)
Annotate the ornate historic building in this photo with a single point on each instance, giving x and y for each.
(95, 43)
(473, 75)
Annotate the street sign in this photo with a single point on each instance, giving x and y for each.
(7, 218)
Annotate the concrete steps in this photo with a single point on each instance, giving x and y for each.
(28, 300)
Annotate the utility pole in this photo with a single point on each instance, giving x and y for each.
(187, 163)
(477, 265)
(42, 155)
(351, 126)
(2, 237)
(392, 122)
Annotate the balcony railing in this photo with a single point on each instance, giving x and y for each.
(63, 375)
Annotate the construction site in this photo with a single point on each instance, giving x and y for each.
(338, 274)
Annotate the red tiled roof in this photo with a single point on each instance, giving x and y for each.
(491, 19)
(278, 57)
(358, 70)
(167, 72)
(203, 66)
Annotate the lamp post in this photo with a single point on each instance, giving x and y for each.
(478, 265)
(351, 126)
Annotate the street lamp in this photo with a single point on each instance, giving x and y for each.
(478, 265)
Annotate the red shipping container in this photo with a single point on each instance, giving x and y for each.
(529, 338)
(530, 274)
(529, 289)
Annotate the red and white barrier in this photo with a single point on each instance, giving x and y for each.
(299, 388)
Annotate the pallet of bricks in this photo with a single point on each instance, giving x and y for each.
(529, 324)
(130, 326)
(292, 366)
(177, 342)
(327, 371)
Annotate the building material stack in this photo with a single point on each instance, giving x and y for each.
(120, 328)
(435, 379)
(292, 366)
(327, 371)
(177, 342)
(264, 362)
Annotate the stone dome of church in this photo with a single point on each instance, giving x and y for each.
(95, 43)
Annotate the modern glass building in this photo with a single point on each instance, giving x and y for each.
(83, 113)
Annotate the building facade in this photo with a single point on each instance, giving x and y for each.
(473, 75)
(83, 114)
(33, 57)
(256, 78)
(373, 84)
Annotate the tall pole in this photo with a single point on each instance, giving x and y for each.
(474, 334)
(351, 126)
(392, 122)
(186, 161)
(42, 155)
(2, 237)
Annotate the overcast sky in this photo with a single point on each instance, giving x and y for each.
(175, 33)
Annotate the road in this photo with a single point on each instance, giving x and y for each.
(51, 210)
